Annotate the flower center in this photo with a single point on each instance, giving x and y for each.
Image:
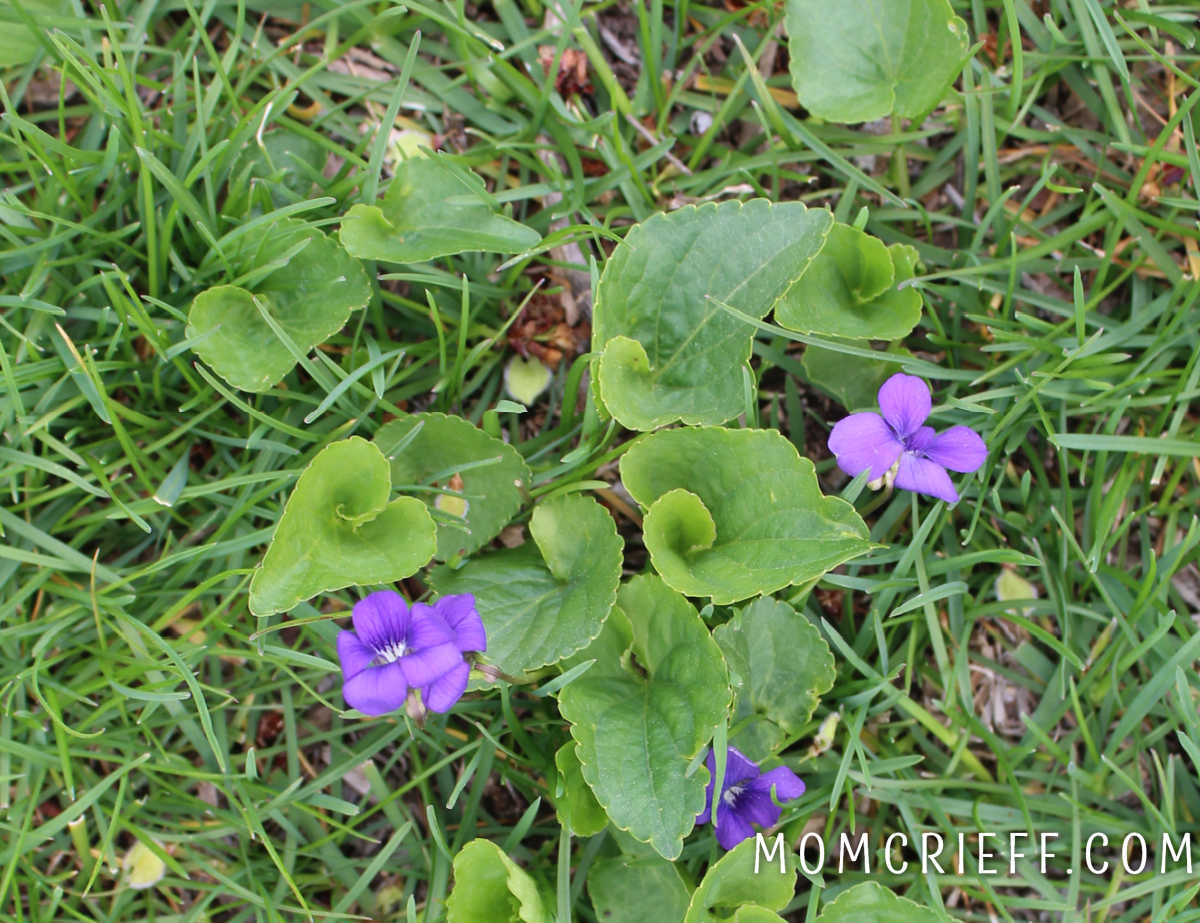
(391, 652)
(889, 476)
(732, 794)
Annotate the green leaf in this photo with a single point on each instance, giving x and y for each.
(779, 666)
(490, 888)
(859, 60)
(826, 368)
(444, 447)
(310, 294)
(607, 650)
(668, 351)
(432, 208)
(850, 290)
(639, 725)
(577, 807)
(548, 598)
(628, 890)
(731, 882)
(872, 903)
(735, 513)
(339, 529)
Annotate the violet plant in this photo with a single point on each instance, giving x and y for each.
(728, 515)
(651, 557)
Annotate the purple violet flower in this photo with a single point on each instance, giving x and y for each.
(746, 796)
(898, 445)
(458, 612)
(393, 649)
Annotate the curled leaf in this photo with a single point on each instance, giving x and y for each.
(490, 888)
(339, 528)
(735, 513)
(668, 348)
(432, 208)
(852, 289)
(780, 666)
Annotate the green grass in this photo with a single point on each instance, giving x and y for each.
(1053, 202)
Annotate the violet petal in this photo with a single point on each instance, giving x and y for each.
(739, 768)
(756, 807)
(863, 440)
(353, 654)
(381, 619)
(921, 440)
(460, 614)
(423, 665)
(731, 828)
(905, 402)
(787, 784)
(925, 477)
(376, 690)
(447, 689)
(959, 448)
(427, 628)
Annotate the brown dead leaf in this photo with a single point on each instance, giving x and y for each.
(572, 76)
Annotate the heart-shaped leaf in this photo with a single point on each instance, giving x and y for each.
(432, 208)
(339, 529)
(485, 474)
(669, 351)
(310, 287)
(639, 722)
(643, 890)
(779, 666)
(736, 513)
(873, 903)
(858, 60)
(490, 888)
(851, 290)
(732, 882)
(548, 598)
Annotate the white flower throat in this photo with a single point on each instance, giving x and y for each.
(391, 652)
(731, 794)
